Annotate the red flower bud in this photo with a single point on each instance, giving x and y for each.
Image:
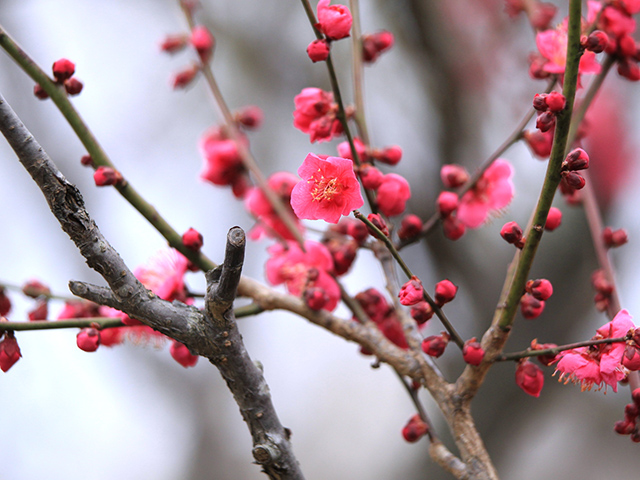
(358, 231)
(40, 311)
(554, 219)
(39, 92)
(315, 298)
(453, 176)
(635, 395)
(415, 429)
(530, 306)
(184, 78)
(545, 121)
(73, 86)
(614, 238)
(318, 50)
(631, 358)
(370, 176)
(539, 142)
(203, 42)
(411, 292)
(63, 69)
(573, 179)
(577, 159)
(88, 339)
(529, 378)
(410, 226)
(540, 289)
(379, 223)
(512, 233)
(447, 203)
(104, 176)
(540, 102)
(374, 44)
(192, 239)
(629, 69)
(556, 102)
(421, 312)
(472, 352)
(452, 228)
(597, 41)
(9, 351)
(545, 360)
(182, 355)
(5, 303)
(35, 288)
(435, 345)
(250, 116)
(445, 292)
(86, 161)
(173, 43)
(390, 155)
(626, 46)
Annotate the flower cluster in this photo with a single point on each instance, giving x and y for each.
(63, 71)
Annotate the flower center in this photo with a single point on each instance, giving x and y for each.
(325, 188)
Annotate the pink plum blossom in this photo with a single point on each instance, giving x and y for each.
(552, 44)
(315, 114)
(328, 189)
(334, 20)
(493, 191)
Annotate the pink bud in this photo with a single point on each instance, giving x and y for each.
(453, 228)
(343, 256)
(40, 311)
(556, 102)
(88, 339)
(529, 378)
(597, 41)
(421, 312)
(411, 292)
(63, 69)
(39, 92)
(9, 351)
(184, 78)
(614, 238)
(554, 219)
(192, 239)
(35, 288)
(390, 155)
(86, 161)
(624, 427)
(374, 44)
(447, 203)
(182, 355)
(601, 283)
(453, 176)
(545, 121)
(626, 46)
(5, 303)
(631, 358)
(435, 345)
(173, 43)
(540, 143)
(445, 292)
(512, 233)
(577, 159)
(104, 176)
(370, 176)
(472, 352)
(315, 298)
(358, 231)
(203, 42)
(545, 360)
(318, 50)
(415, 429)
(540, 102)
(334, 20)
(410, 226)
(73, 86)
(379, 223)
(530, 306)
(628, 69)
(573, 179)
(541, 15)
(540, 289)
(250, 116)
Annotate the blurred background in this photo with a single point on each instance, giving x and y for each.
(451, 90)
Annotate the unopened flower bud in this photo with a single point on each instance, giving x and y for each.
(315, 298)
(390, 155)
(531, 307)
(173, 43)
(556, 102)
(35, 289)
(5, 303)
(545, 360)
(9, 351)
(374, 44)
(635, 395)
(472, 352)
(445, 292)
(181, 354)
(203, 42)
(529, 378)
(63, 69)
(512, 233)
(73, 86)
(104, 176)
(596, 42)
(545, 121)
(358, 231)
(40, 311)
(370, 176)
(631, 357)
(421, 312)
(39, 92)
(192, 239)
(250, 117)
(184, 78)
(435, 345)
(447, 203)
(86, 161)
(626, 46)
(88, 339)
(554, 219)
(601, 283)
(415, 429)
(539, 142)
(453, 228)
(628, 69)
(411, 292)
(540, 102)
(541, 15)
(379, 223)
(614, 238)
(573, 179)
(453, 176)
(577, 159)
(318, 50)
(624, 427)
(410, 226)
(540, 288)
